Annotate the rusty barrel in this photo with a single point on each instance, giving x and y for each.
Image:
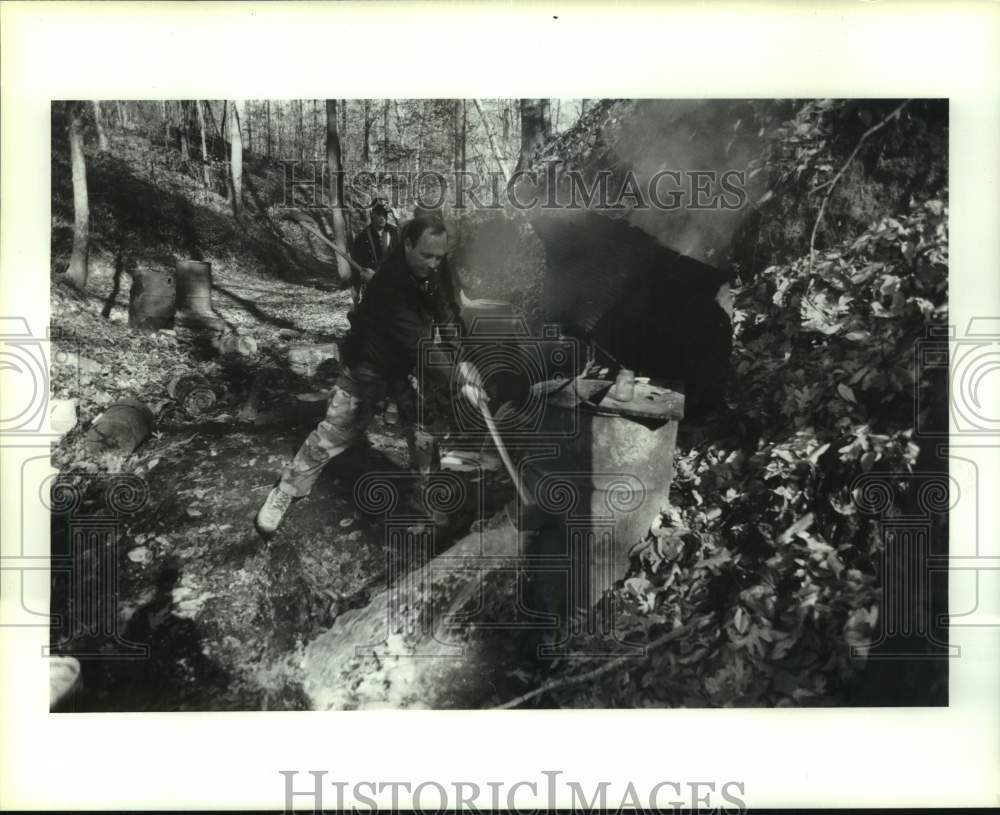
(121, 428)
(152, 299)
(194, 295)
(193, 393)
(599, 476)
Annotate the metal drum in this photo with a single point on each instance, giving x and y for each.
(152, 299)
(121, 428)
(599, 475)
(194, 295)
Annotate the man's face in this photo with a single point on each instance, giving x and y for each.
(378, 220)
(424, 256)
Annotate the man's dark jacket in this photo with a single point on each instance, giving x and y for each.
(397, 311)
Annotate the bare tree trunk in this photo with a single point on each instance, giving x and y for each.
(465, 132)
(314, 140)
(399, 121)
(185, 117)
(501, 163)
(102, 137)
(76, 272)
(213, 121)
(456, 135)
(343, 123)
(268, 128)
(204, 147)
(555, 125)
(166, 123)
(236, 160)
(248, 115)
(366, 144)
(385, 133)
(536, 127)
(301, 138)
(223, 133)
(420, 136)
(336, 167)
(279, 117)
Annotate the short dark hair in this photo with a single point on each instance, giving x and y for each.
(379, 208)
(417, 226)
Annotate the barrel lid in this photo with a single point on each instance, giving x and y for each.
(650, 401)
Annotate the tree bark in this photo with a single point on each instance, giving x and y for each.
(465, 132)
(497, 155)
(456, 126)
(76, 272)
(249, 117)
(185, 117)
(343, 123)
(166, 124)
(279, 121)
(314, 135)
(335, 166)
(236, 160)
(385, 134)
(268, 103)
(420, 137)
(366, 144)
(301, 138)
(205, 170)
(536, 127)
(102, 137)
(400, 131)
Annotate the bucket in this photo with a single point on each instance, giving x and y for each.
(121, 428)
(194, 295)
(152, 299)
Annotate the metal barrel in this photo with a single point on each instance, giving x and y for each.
(194, 295)
(603, 480)
(193, 392)
(152, 299)
(121, 428)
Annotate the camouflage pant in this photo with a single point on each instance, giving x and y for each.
(348, 414)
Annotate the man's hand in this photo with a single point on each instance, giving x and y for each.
(472, 384)
(367, 274)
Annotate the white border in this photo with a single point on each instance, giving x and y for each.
(236, 50)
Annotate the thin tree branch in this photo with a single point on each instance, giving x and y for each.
(608, 667)
(833, 181)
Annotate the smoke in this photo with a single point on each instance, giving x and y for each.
(689, 136)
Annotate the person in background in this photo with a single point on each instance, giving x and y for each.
(373, 244)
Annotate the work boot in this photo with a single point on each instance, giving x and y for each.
(270, 514)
